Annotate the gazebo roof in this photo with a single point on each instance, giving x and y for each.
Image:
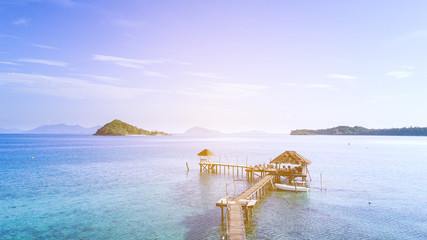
(205, 153)
(291, 157)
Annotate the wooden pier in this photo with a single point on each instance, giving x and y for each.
(217, 167)
(235, 223)
(245, 202)
(240, 208)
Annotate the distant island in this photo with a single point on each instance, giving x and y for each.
(53, 129)
(357, 130)
(10, 130)
(119, 128)
(196, 131)
(62, 129)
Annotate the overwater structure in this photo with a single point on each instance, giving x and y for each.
(263, 178)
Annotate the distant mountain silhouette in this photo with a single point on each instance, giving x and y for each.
(10, 130)
(197, 131)
(63, 129)
(357, 130)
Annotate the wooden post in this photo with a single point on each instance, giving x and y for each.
(321, 182)
(222, 213)
(295, 184)
(188, 169)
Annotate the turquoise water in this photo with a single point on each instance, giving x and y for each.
(88, 187)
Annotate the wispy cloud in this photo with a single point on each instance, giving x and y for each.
(66, 87)
(168, 60)
(399, 74)
(124, 62)
(309, 85)
(154, 74)
(43, 46)
(21, 21)
(207, 75)
(320, 86)
(9, 36)
(44, 62)
(8, 63)
(102, 78)
(340, 76)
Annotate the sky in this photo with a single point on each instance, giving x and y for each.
(232, 66)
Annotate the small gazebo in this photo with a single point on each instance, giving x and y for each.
(205, 155)
(292, 157)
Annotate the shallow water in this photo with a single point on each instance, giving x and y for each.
(88, 187)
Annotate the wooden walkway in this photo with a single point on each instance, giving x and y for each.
(217, 167)
(255, 189)
(235, 220)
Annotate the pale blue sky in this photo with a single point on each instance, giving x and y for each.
(226, 65)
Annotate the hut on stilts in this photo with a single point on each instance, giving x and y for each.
(205, 155)
(294, 166)
(205, 159)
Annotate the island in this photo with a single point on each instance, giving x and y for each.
(199, 131)
(119, 128)
(357, 130)
(62, 129)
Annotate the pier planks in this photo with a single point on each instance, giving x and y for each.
(235, 221)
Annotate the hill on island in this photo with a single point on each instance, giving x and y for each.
(119, 128)
(357, 130)
(199, 131)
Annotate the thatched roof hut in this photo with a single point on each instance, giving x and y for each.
(291, 157)
(206, 153)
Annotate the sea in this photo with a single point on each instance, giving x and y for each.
(138, 187)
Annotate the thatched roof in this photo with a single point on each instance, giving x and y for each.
(205, 153)
(291, 157)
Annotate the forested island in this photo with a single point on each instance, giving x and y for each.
(119, 128)
(357, 130)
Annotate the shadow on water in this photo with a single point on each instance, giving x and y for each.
(276, 214)
(198, 195)
(206, 225)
